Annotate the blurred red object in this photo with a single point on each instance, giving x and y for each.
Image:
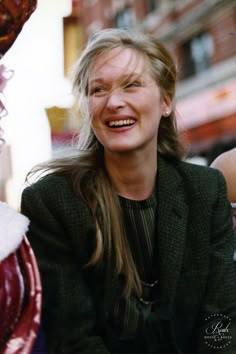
(13, 15)
(20, 301)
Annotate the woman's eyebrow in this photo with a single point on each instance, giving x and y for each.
(121, 78)
(96, 80)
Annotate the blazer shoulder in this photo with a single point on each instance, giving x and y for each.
(200, 172)
(51, 185)
(203, 180)
(55, 190)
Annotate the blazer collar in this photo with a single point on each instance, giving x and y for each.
(172, 224)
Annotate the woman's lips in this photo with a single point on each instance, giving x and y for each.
(119, 123)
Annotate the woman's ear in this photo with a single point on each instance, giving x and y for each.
(166, 107)
(166, 112)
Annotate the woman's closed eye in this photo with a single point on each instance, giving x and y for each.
(133, 84)
(103, 90)
(97, 90)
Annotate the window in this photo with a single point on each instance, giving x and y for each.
(125, 17)
(152, 5)
(197, 54)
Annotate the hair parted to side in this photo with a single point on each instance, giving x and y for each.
(87, 169)
(163, 69)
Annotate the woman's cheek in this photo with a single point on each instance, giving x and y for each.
(95, 106)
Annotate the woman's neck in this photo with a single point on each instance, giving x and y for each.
(133, 176)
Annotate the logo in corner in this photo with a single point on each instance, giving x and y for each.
(217, 331)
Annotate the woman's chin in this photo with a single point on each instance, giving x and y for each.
(120, 149)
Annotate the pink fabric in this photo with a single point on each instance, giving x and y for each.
(20, 301)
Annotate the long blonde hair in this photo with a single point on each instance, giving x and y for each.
(86, 167)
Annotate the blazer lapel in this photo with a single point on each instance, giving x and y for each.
(172, 224)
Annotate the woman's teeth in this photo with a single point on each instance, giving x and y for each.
(120, 123)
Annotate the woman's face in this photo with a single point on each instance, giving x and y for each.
(125, 103)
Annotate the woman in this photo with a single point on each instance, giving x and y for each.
(135, 247)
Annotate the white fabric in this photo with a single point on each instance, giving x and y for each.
(13, 227)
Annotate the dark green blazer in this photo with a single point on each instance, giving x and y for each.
(195, 260)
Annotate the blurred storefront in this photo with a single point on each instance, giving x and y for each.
(64, 122)
(208, 117)
(202, 36)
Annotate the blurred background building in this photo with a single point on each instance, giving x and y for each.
(201, 34)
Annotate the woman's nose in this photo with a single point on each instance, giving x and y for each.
(115, 100)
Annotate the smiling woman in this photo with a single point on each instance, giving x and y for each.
(125, 104)
(135, 246)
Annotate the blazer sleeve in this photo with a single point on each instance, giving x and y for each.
(218, 310)
(57, 223)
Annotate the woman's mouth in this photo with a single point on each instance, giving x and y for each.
(120, 123)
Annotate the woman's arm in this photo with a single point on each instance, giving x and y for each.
(69, 316)
(218, 310)
(226, 164)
